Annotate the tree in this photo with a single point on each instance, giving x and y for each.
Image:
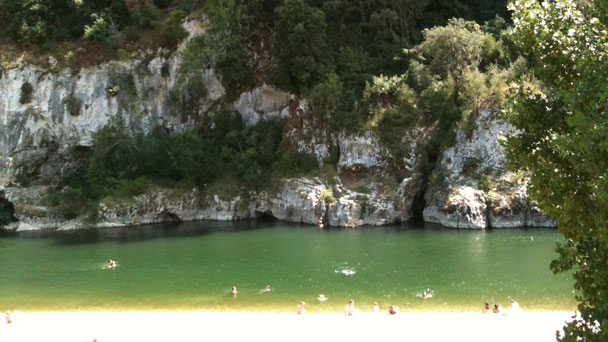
(222, 47)
(44, 21)
(562, 140)
(453, 48)
(30, 20)
(302, 53)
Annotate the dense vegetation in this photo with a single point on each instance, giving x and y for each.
(43, 22)
(123, 164)
(561, 116)
(85, 32)
(365, 65)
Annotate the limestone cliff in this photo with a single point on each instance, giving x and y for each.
(41, 139)
(472, 188)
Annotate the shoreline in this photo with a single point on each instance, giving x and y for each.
(240, 326)
(312, 310)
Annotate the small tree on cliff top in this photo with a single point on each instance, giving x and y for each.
(303, 57)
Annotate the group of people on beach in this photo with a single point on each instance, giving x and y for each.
(349, 309)
(498, 309)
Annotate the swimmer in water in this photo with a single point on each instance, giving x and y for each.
(111, 263)
(266, 289)
(322, 298)
(301, 310)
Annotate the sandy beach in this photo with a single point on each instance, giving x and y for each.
(244, 326)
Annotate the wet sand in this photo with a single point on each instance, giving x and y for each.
(244, 326)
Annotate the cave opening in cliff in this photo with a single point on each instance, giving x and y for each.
(418, 206)
(167, 216)
(419, 202)
(265, 215)
(7, 211)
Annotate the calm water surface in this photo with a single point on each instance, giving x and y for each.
(192, 266)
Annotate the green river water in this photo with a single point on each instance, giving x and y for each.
(192, 266)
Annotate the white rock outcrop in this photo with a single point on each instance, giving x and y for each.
(476, 162)
(262, 103)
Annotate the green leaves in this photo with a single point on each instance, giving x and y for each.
(454, 47)
(303, 57)
(99, 31)
(561, 139)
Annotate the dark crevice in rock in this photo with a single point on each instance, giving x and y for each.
(167, 216)
(7, 211)
(488, 215)
(419, 202)
(264, 215)
(325, 217)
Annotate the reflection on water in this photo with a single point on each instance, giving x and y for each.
(194, 266)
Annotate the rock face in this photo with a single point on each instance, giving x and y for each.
(262, 103)
(475, 191)
(41, 138)
(41, 135)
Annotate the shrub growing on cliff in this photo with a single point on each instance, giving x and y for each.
(73, 104)
(26, 93)
(454, 47)
(172, 31)
(145, 15)
(99, 31)
(327, 197)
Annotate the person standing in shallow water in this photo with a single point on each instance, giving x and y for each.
(301, 310)
(349, 309)
(234, 291)
(485, 308)
(393, 310)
